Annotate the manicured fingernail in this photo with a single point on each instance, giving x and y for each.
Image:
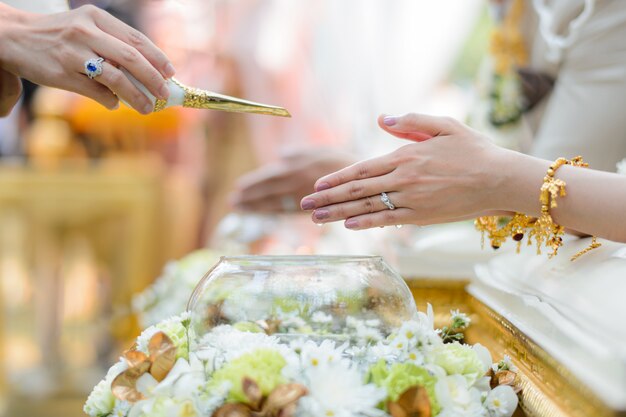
(117, 106)
(164, 92)
(322, 186)
(169, 70)
(351, 224)
(390, 120)
(307, 204)
(321, 214)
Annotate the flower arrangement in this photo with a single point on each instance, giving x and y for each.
(170, 292)
(263, 369)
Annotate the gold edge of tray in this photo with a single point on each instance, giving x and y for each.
(548, 388)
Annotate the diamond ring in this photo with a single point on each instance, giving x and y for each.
(386, 201)
(93, 67)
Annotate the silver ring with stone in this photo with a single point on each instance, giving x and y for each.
(93, 67)
(386, 201)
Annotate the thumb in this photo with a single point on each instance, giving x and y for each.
(418, 127)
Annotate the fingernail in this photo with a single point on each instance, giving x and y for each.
(322, 186)
(147, 109)
(164, 92)
(169, 70)
(117, 106)
(307, 204)
(321, 214)
(390, 120)
(351, 224)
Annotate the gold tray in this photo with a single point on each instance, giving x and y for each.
(548, 388)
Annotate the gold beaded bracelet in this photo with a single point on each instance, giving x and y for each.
(542, 229)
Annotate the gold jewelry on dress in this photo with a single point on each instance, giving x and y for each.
(542, 229)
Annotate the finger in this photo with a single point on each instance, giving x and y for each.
(418, 127)
(273, 204)
(95, 91)
(380, 218)
(136, 40)
(371, 168)
(265, 175)
(118, 83)
(343, 211)
(353, 190)
(133, 61)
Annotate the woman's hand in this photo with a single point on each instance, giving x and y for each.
(450, 174)
(52, 49)
(277, 187)
(10, 91)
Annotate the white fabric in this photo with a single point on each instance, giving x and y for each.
(573, 310)
(39, 6)
(584, 114)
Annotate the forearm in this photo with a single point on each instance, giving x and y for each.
(595, 202)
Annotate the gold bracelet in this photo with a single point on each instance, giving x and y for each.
(542, 229)
(516, 227)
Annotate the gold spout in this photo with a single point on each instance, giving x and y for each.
(196, 98)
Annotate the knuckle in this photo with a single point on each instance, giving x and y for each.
(356, 190)
(115, 78)
(340, 212)
(362, 171)
(91, 10)
(389, 217)
(369, 206)
(136, 38)
(450, 122)
(130, 55)
(77, 30)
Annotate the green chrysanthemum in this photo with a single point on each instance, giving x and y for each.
(263, 366)
(402, 376)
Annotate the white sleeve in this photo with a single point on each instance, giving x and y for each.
(585, 113)
(39, 6)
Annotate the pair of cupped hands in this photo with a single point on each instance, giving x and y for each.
(52, 49)
(450, 173)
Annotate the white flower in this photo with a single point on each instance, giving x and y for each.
(325, 353)
(121, 409)
(504, 365)
(338, 391)
(458, 399)
(483, 355)
(321, 318)
(232, 343)
(460, 319)
(164, 407)
(501, 401)
(171, 291)
(101, 400)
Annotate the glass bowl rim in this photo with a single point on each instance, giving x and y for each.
(299, 258)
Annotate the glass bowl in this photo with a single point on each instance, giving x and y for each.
(353, 299)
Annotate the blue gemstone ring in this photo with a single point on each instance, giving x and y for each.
(93, 67)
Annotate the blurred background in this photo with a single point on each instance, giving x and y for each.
(93, 203)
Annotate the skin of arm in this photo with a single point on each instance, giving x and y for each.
(454, 173)
(52, 49)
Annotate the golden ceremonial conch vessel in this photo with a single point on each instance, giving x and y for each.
(195, 98)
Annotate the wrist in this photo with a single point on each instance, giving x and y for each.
(11, 22)
(519, 182)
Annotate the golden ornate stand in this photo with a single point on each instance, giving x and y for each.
(548, 388)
